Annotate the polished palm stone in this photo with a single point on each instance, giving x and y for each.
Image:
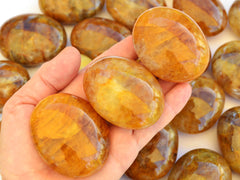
(201, 164)
(70, 11)
(127, 11)
(31, 39)
(226, 69)
(69, 135)
(160, 37)
(203, 108)
(210, 14)
(234, 17)
(157, 157)
(123, 92)
(229, 137)
(93, 36)
(12, 77)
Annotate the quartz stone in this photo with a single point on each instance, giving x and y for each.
(210, 15)
(12, 77)
(93, 36)
(201, 164)
(229, 137)
(226, 69)
(127, 11)
(70, 11)
(234, 17)
(160, 37)
(69, 135)
(203, 108)
(123, 92)
(157, 157)
(31, 39)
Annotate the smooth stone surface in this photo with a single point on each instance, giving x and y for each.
(127, 11)
(210, 14)
(234, 17)
(201, 164)
(226, 69)
(12, 77)
(69, 135)
(70, 11)
(31, 39)
(157, 157)
(123, 92)
(203, 108)
(93, 36)
(160, 37)
(229, 137)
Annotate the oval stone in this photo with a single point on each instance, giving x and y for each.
(93, 36)
(210, 15)
(12, 77)
(201, 164)
(123, 92)
(69, 135)
(229, 137)
(203, 108)
(157, 157)
(70, 11)
(160, 37)
(234, 17)
(127, 11)
(31, 39)
(226, 69)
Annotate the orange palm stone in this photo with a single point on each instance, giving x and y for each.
(69, 135)
(123, 92)
(170, 44)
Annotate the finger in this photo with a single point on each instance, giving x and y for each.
(124, 49)
(175, 100)
(166, 86)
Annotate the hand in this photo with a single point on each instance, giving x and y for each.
(18, 156)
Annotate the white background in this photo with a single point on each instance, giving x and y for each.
(208, 139)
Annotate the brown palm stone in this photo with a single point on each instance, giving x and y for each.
(210, 14)
(201, 164)
(226, 69)
(157, 157)
(70, 11)
(229, 137)
(12, 77)
(203, 108)
(160, 37)
(234, 17)
(69, 135)
(127, 11)
(93, 36)
(31, 39)
(123, 92)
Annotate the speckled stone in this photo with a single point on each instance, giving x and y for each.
(31, 39)
(234, 17)
(127, 11)
(203, 108)
(93, 36)
(201, 164)
(70, 11)
(69, 135)
(210, 14)
(226, 69)
(160, 37)
(229, 137)
(12, 77)
(123, 92)
(157, 157)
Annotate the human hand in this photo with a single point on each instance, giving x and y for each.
(18, 156)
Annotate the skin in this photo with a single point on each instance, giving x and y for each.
(18, 156)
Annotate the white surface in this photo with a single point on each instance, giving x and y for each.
(208, 139)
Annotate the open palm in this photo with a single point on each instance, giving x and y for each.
(18, 156)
